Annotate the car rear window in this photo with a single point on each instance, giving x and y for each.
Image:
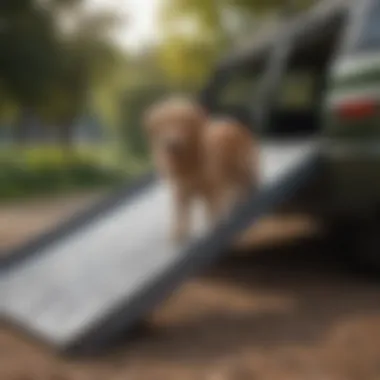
(369, 38)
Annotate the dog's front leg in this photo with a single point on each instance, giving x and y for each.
(181, 220)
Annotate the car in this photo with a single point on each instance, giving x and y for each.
(316, 76)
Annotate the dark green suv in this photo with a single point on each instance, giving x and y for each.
(316, 78)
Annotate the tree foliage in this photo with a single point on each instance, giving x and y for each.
(196, 31)
(54, 55)
(29, 55)
(145, 85)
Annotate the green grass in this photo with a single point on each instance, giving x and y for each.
(36, 171)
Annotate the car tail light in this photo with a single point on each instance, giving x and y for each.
(356, 109)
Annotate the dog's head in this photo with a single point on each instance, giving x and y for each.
(174, 126)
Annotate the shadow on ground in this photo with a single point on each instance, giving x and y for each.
(291, 296)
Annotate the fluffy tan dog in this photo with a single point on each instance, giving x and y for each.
(210, 159)
(230, 162)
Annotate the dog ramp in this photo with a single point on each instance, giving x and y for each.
(82, 289)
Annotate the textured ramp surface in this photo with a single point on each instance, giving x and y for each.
(74, 282)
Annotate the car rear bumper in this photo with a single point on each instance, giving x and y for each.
(351, 177)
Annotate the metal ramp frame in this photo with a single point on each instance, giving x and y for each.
(81, 289)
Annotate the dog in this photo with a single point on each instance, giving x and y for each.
(212, 159)
(230, 162)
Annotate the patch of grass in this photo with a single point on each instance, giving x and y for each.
(31, 172)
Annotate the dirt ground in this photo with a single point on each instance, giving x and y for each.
(21, 221)
(286, 313)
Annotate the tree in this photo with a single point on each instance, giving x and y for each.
(28, 56)
(89, 64)
(187, 61)
(54, 55)
(145, 85)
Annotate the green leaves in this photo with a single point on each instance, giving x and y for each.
(28, 51)
(196, 31)
(51, 69)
